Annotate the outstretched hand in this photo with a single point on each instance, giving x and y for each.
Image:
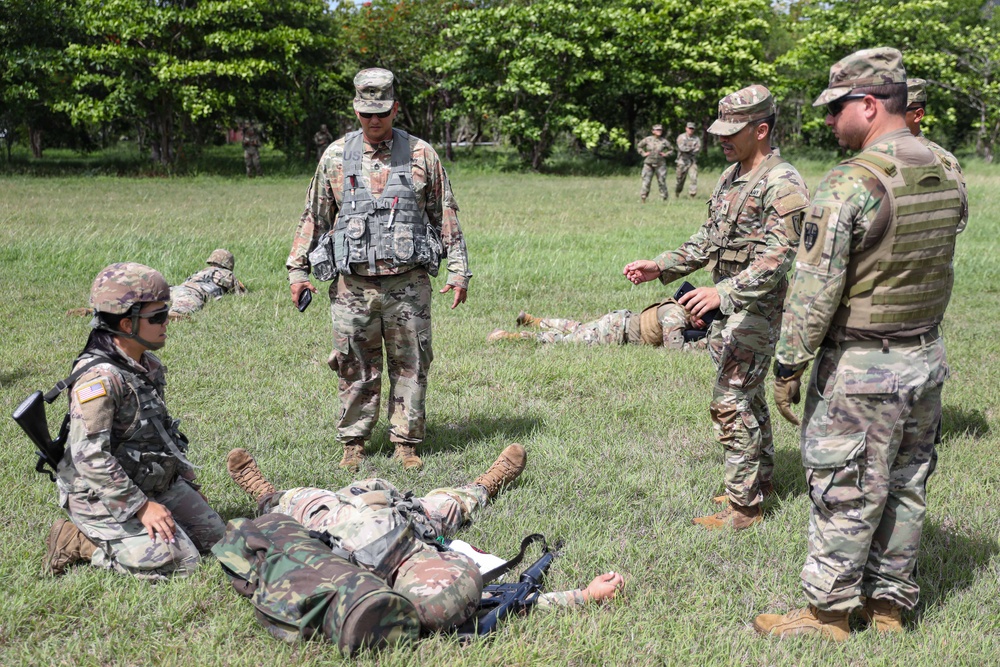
(604, 587)
(641, 270)
(460, 294)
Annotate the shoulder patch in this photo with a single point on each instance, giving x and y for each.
(790, 203)
(90, 391)
(813, 240)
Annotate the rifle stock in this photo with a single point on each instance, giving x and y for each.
(30, 416)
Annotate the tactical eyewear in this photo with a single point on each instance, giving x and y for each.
(834, 108)
(382, 114)
(157, 316)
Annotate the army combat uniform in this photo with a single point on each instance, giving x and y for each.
(873, 278)
(391, 215)
(687, 165)
(748, 242)
(656, 150)
(251, 151)
(123, 449)
(322, 139)
(212, 282)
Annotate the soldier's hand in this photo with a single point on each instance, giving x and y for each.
(158, 521)
(641, 270)
(460, 294)
(604, 587)
(787, 392)
(701, 300)
(297, 289)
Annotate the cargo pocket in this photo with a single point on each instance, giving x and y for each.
(834, 469)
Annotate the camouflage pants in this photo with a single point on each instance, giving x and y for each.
(741, 346)
(198, 528)
(868, 445)
(251, 158)
(686, 168)
(661, 179)
(184, 300)
(369, 313)
(607, 330)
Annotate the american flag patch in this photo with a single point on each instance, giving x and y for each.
(91, 391)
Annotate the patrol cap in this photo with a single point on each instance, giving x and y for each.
(373, 90)
(868, 67)
(657, 127)
(916, 92)
(744, 106)
(691, 126)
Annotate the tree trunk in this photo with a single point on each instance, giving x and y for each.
(449, 152)
(35, 139)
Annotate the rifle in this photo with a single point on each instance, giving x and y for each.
(30, 416)
(501, 600)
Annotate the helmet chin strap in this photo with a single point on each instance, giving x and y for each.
(134, 314)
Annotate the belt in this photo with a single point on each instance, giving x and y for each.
(887, 343)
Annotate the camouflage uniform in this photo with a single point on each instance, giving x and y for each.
(916, 97)
(322, 139)
(381, 303)
(623, 327)
(687, 166)
(251, 151)
(209, 283)
(749, 257)
(873, 406)
(656, 149)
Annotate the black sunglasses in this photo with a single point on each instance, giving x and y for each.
(382, 114)
(157, 316)
(834, 108)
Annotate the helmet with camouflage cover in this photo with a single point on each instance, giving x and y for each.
(222, 258)
(119, 287)
(445, 587)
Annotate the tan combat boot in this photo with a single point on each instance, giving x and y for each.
(500, 334)
(244, 470)
(65, 545)
(808, 621)
(408, 455)
(766, 489)
(525, 319)
(734, 516)
(883, 615)
(354, 454)
(504, 470)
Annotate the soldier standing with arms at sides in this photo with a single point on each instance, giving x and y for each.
(322, 139)
(748, 242)
(251, 150)
(872, 280)
(388, 204)
(654, 149)
(124, 480)
(688, 146)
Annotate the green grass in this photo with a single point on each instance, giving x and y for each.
(621, 454)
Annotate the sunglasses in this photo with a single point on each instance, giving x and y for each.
(382, 114)
(834, 108)
(157, 316)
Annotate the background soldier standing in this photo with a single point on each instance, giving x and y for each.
(748, 242)
(251, 151)
(688, 146)
(916, 106)
(322, 139)
(872, 281)
(386, 199)
(654, 149)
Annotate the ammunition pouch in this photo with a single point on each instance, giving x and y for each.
(321, 259)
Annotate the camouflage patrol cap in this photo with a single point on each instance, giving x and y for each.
(691, 126)
(222, 258)
(744, 106)
(868, 67)
(657, 127)
(445, 587)
(373, 90)
(916, 92)
(120, 286)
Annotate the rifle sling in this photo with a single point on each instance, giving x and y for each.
(65, 384)
(514, 562)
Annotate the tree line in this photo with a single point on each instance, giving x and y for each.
(172, 75)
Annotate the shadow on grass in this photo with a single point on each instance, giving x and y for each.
(789, 477)
(456, 436)
(949, 562)
(958, 422)
(7, 377)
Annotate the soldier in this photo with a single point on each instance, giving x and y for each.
(748, 242)
(445, 587)
(666, 323)
(210, 283)
(322, 139)
(385, 199)
(688, 146)
(872, 281)
(125, 482)
(654, 149)
(251, 150)
(916, 106)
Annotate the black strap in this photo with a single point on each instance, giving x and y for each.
(66, 383)
(516, 560)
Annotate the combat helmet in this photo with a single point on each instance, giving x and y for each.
(222, 258)
(121, 289)
(445, 587)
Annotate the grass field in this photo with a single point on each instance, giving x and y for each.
(621, 454)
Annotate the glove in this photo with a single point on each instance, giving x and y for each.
(786, 392)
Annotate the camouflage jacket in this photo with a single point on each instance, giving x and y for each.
(853, 196)
(653, 146)
(768, 222)
(434, 196)
(251, 139)
(213, 282)
(688, 147)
